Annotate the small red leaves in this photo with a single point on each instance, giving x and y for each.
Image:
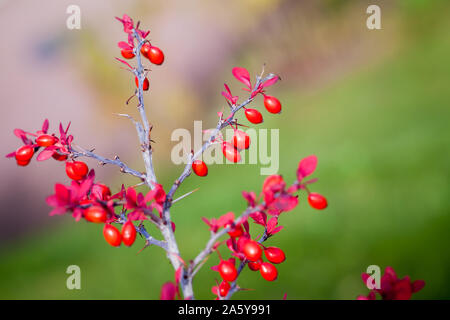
(168, 291)
(306, 167)
(242, 75)
(227, 94)
(125, 63)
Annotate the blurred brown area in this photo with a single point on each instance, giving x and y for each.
(49, 71)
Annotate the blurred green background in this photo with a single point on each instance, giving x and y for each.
(374, 106)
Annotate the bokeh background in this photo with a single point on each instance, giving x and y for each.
(373, 105)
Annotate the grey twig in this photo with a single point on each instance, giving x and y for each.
(144, 134)
(117, 162)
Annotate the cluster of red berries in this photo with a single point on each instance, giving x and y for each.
(152, 53)
(272, 104)
(25, 153)
(230, 149)
(253, 253)
(96, 213)
(241, 140)
(114, 237)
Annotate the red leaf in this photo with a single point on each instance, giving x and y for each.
(125, 63)
(306, 167)
(124, 45)
(45, 126)
(270, 81)
(242, 75)
(46, 153)
(168, 291)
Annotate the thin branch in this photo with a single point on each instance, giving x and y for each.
(233, 286)
(116, 161)
(144, 136)
(142, 231)
(220, 125)
(216, 236)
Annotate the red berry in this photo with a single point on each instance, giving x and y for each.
(46, 140)
(145, 85)
(22, 163)
(255, 265)
(252, 250)
(145, 49)
(59, 157)
(24, 154)
(76, 170)
(112, 235)
(227, 270)
(224, 287)
(235, 232)
(230, 152)
(128, 233)
(241, 140)
(317, 201)
(272, 104)
(274, 254)
(254, 116)
(155, 55)
(200, 168)
(95, 214)
(268, 271)
(127, 53)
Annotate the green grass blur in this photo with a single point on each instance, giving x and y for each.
(381, 135)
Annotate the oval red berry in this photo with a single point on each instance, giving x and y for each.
(254, 116)
(128, 233)
(268, 271)
(241, 140)
(227, 270)
(127, 53)
(145, 85)
(112, 235)
(200, 168)
(24, 153)
(317, 201)
(95, 214)
(230, 152)
(272, 104)
(46, 140)
(274, 254)
(252, 250)
(155, 55)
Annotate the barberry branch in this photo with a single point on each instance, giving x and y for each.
(234, 287)
(216, 236)
(144, 135)
(102, 160)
